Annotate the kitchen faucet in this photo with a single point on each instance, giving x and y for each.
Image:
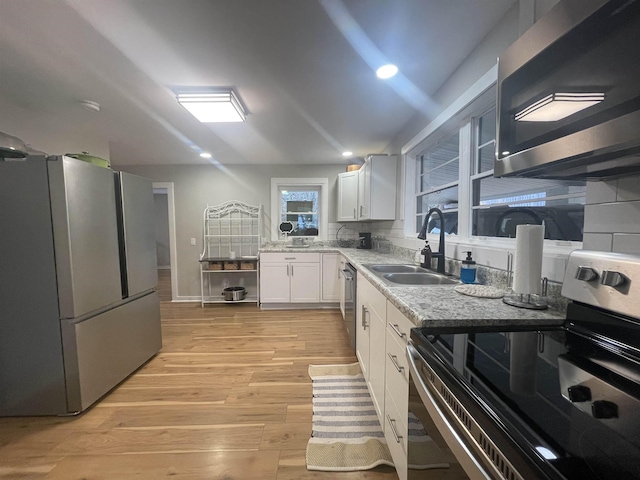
(423, 236)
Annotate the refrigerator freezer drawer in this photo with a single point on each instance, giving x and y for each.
(102, 351)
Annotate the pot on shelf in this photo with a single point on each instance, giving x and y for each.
(234, 294)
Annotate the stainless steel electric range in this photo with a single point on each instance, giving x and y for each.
(549, 403)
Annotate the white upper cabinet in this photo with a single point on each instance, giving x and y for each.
(347, 196)
(369, 193)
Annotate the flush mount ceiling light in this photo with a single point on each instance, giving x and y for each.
(205, 155)
(90, 105)
(213, 105)
(387, 71)
(557, 106)
(347, 154)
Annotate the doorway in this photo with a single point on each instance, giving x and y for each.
(165, 240)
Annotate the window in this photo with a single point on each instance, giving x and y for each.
(437, 184)
(454, 172)
(300, 208)
(499, 205)
(301, 202)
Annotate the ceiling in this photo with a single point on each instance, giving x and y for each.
(304, 69)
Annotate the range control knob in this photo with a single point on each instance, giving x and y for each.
(579, 393)
(604, 409)
(612, 278)
(586, 274)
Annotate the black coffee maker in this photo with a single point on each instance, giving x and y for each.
(365, 240)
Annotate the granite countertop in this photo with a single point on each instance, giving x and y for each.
(436, 305)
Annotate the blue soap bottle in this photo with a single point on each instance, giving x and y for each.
(468, 270)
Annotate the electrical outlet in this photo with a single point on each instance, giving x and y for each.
(193, 242)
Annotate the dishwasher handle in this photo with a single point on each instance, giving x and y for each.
(348, 276)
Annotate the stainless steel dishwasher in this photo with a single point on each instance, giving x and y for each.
(350, 276)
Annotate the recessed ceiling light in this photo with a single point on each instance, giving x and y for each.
(205, 155)
(347, 154)
(387, 71)
(213, 106)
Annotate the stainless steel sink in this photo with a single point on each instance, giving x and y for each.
(396, 268)
(396, 275)
(419, 279)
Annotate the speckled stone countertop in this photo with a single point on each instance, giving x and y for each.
(436, 305)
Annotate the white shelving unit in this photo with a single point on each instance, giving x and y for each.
(230, 227)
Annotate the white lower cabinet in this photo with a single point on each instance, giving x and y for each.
(397, 387)
(330, 277)
(290, 278)
(382, 335)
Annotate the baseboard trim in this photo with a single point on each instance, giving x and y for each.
(299, 306)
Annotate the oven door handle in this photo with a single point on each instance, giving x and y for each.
(465, 457)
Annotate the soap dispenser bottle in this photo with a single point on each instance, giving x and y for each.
(468, 270)
(425, 256)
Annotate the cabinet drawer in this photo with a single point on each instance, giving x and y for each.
(290, 257)
(397, 377)
(395, 421)
(401, 325)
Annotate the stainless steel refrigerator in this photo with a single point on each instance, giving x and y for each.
(79, 311)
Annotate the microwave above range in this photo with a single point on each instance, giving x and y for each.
(569, 94)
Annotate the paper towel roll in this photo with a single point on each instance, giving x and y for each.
(528, 259)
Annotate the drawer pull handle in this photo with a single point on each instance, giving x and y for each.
(394, 360)
(395, 328)
(289, 258)
(392, 424)
(364, 320)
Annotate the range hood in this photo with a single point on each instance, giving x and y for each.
(569, 94)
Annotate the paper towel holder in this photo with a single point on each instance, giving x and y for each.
(529, 300)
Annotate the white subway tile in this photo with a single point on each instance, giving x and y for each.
(623, 217)
(601, 242)
(601, 192)
(628, 189)
(626, 243)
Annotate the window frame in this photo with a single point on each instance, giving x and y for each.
(322, 184)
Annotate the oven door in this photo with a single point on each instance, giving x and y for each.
(450, 422)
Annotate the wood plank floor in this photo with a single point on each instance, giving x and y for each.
(228, 397)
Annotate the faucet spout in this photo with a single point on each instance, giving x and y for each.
(423, 235)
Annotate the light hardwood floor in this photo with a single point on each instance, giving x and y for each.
(228, 397)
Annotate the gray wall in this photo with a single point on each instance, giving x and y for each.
(196, 186)
(162, 229)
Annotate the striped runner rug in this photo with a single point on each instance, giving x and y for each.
(346, 434)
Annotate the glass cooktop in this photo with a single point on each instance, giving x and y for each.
(570, 401)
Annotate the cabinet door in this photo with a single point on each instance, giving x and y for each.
(364, 191)
(377, 356)
(381, 185)
(274, 282)
(347, 196)
(330, 277)
(305, 282)
(363, 320)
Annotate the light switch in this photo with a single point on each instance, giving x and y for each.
(193, 241)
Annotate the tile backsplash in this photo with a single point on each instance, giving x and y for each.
(612, 216)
